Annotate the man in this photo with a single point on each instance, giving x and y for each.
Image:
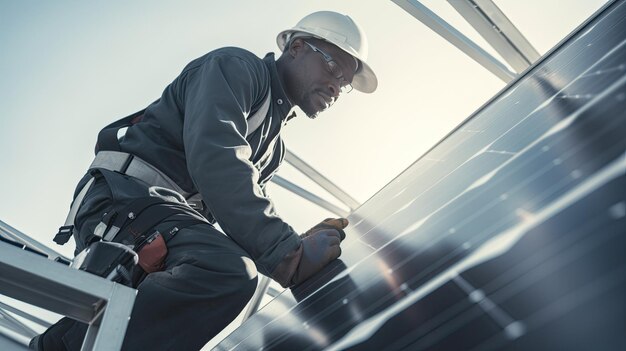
(212, 142)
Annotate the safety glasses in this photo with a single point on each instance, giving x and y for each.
(334, 69)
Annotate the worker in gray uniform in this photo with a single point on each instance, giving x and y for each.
(202, 153)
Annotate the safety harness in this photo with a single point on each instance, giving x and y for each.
(134, 225)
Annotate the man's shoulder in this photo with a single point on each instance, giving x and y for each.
(235, 53)
(230, 54)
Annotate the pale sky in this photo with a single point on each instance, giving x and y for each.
(69, 68)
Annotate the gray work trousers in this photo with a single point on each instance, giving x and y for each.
(207, 281)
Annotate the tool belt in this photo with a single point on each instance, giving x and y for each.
(134, 225)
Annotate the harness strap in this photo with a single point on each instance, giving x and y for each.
(67, 230)
(255, 121)
(108, 138)
(133, 166)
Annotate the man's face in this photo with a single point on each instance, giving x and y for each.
(322, 69)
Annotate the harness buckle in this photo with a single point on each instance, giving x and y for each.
(64, 234)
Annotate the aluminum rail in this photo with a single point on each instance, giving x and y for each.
(493, 25)
(12, 323)
(25, 315)
(10, 340)
(255, 301)
(320, 180)
(456, 38)
(29, 242)
(284, 183)
(104, 305)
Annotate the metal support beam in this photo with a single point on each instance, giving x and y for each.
(284, 183)
(320, 180)
(463, 43)
(20, 237)
(10, 340)
(493, 25)
(256, 299)
(103, 304)
(10, 322)
(107, 331)
(25, 315)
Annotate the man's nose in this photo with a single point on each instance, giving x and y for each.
(334, 89)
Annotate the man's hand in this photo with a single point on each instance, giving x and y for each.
(318, 249)
(329, 223)
(320, 246)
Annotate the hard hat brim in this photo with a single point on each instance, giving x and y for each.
(364, 80)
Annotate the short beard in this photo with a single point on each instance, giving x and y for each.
(311, 115)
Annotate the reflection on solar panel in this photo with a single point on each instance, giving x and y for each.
(511, 233)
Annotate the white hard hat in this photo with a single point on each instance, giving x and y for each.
(344, 33)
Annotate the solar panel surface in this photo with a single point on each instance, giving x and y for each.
(510, 233)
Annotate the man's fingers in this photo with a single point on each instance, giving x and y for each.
(329, 223)
(339, 223)
(334, 240)
(333, 233)
(334, 252)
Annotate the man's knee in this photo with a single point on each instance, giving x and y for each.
(208, 260)
(211, 276)
(250, 278)
(237, 274)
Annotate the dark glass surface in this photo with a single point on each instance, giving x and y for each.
(509, 234)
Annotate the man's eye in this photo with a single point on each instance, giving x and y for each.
(334, 69)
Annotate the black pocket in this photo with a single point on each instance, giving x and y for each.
(153, 253)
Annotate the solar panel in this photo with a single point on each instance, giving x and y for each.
(510, 233)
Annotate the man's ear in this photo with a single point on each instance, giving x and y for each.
(295, 47)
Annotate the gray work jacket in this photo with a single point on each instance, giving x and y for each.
(196, 134)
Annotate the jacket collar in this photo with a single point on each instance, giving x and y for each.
(279, 97)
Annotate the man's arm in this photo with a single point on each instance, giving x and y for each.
(217, 96)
